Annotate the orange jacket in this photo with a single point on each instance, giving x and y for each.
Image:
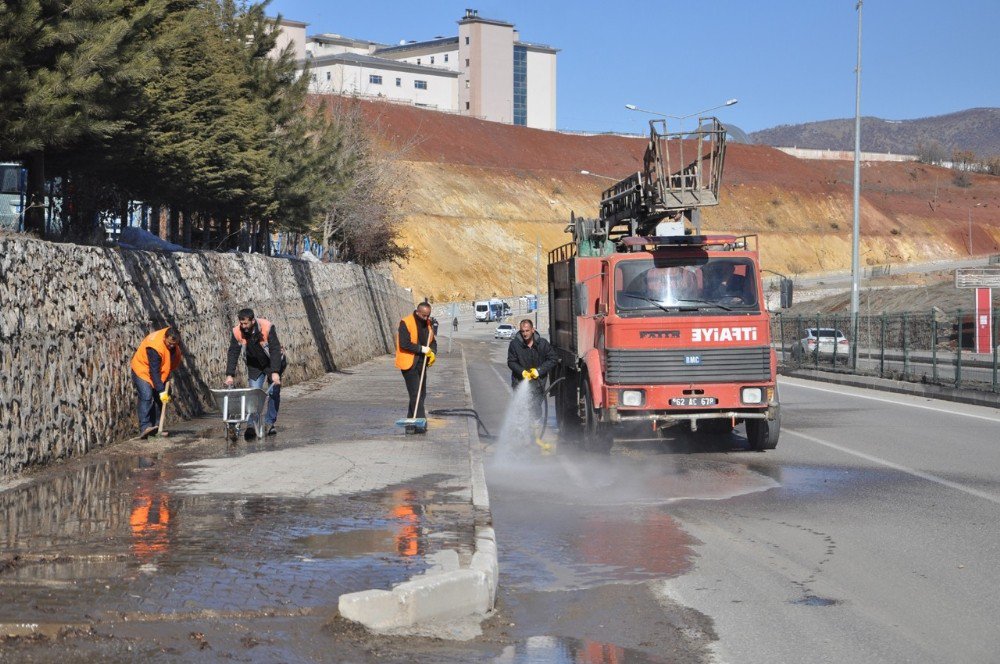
(169, 360)
(405, 358)
(265, 329)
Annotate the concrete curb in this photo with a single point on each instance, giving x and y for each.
(443, 595)
(899, 387)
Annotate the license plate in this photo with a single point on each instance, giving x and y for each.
(693, 401)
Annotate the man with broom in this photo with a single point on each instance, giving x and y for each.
(157, 356)
(415, 349)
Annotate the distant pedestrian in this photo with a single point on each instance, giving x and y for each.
(454, 324)
(531, 357)
(152, 363)
(257, 339)
(415, 341)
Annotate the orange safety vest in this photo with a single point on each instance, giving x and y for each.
(404, 358)
(168, 360)
(265, 330)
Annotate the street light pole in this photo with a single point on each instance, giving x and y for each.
(633, 107)
(855, 253)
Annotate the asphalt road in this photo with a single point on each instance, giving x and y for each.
(869, 535)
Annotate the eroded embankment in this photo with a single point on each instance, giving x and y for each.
(479, 195)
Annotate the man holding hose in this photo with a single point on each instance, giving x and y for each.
(415, 341)
(530, 357)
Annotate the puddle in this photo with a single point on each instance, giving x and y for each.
(562, 650)
(813, 600)
(115, 536)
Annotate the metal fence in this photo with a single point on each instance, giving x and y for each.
(931, 347)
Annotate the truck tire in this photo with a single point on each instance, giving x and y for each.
(597, 436)
(567, 412)
(763, 434)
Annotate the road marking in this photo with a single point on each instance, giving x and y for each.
(895, 466)
(892, 401)
(506, 383)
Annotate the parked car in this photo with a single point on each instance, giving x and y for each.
(504, 331)
(826, 341)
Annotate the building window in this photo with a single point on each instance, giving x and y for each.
(329, 75)
(466, 41)
(432, 59)
(520, 86)
(466, 84)
(399, 82)
(446, 57)
(466, 105)
(313, 78)
(420, 85)
(418, 61)
(466, 62)
(374, 79)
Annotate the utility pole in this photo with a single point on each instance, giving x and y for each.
(855, 256)
(538, 277)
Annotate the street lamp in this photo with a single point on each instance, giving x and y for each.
(598, 175)
(633, 107)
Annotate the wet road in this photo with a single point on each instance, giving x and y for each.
(869, 535)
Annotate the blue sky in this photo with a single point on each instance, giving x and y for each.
(787, 61)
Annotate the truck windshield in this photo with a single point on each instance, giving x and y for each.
(657, 286)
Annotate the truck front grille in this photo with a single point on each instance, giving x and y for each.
(688, 365)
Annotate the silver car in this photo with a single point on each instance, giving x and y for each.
(827, 342)
(504, 331)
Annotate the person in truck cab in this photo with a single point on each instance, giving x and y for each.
(666, 284)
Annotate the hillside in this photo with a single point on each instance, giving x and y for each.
(478, 195)
(976, 130)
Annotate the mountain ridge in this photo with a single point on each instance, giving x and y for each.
(975, 130)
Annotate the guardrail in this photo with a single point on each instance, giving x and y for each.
(933, 347)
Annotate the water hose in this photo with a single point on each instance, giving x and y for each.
(464, 412)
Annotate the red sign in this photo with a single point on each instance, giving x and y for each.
(984, 320)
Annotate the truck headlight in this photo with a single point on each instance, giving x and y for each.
(632, 397)
(752, 395)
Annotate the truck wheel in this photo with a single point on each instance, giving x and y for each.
(763, 434)
(596, 434)
(567, 415)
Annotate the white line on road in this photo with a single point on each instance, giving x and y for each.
(895, 466)
(892, 401)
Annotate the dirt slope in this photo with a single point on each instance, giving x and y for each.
(479, 195)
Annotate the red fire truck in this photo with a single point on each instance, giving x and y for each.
(653, 321)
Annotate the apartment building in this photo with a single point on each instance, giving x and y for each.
(486, 71)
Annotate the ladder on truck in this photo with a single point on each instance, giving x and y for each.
(681, 174)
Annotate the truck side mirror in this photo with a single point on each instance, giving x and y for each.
(580, 298)
(786, 292)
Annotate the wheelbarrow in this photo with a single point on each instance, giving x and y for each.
(242, 406)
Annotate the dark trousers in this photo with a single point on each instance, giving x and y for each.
(412, 378)
(274, 397)
(149, 403)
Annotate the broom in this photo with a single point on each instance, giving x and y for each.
(414, 421)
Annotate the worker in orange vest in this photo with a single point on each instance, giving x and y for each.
(257, 339)
(157, 356)
(415, 340)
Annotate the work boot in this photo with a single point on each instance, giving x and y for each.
(249, 434)
(147, 432)
(269, 430)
